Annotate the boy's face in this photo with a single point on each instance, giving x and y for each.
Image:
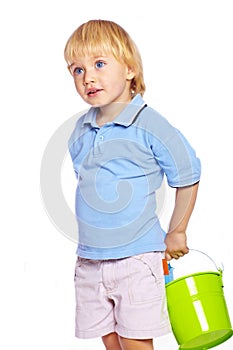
(102, 80)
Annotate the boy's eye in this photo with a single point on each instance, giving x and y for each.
(77, 71)
(99, 64)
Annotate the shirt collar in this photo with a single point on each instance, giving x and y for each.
(125, 118)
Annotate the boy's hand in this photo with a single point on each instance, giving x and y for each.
(176, 243)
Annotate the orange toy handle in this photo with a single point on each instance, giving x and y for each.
(165, 267)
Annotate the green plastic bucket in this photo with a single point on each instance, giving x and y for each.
(198, 311)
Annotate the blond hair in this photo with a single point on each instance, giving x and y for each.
(101, 36)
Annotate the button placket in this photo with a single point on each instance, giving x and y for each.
(99, 138)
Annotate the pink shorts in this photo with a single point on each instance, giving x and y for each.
(126, 296)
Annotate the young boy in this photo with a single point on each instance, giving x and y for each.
(121, 149)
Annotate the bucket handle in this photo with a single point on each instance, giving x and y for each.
(219, 269)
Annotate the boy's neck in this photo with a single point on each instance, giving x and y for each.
(108, 113)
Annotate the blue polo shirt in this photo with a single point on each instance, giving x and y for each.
(119, 167)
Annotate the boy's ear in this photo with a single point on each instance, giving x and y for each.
(130, 73)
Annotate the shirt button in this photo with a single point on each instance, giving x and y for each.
(101, 138)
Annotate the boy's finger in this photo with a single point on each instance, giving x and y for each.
(168, 257)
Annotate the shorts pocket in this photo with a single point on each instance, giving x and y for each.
(77, 268)
(145, 279)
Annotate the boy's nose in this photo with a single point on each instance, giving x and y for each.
(88, 78)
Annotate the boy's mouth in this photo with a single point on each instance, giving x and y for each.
(92, 92)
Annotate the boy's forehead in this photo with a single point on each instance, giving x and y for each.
(77, 50)
(89, 57)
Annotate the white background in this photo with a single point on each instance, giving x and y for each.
(186, 48)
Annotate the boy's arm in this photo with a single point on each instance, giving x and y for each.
(176, 239)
